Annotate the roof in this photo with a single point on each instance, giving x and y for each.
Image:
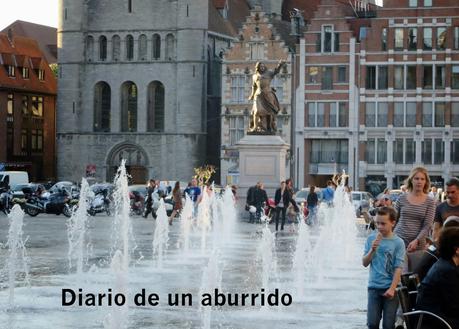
(238, 10)
(46, 37)
(24, 52)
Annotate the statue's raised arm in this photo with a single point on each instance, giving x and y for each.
(265, 104)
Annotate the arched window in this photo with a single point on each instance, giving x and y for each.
(155, 115)
(116, 44)
(156, 46)
(142, 47)
(128, 107)
(170, 47)
(102, 48)
(129, 47)
(102, 105)
(89, 48)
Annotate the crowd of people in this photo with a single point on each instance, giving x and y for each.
(417, 233)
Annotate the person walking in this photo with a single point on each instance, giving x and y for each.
(259, 199)
(416, 211)
(193, 191)
(177, 198)
(450, 207)
(312, 201)
(385, 253)
(250, 202)
(151, 187)
(281, 207)
(328, 193)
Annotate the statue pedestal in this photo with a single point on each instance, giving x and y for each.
(262, 158)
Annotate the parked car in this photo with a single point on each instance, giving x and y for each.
(362, 201)
(14, 177)
(302, 195)
(70, 187)
(394, 195)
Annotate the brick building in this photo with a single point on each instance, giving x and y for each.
(379, 92)
(28, 108)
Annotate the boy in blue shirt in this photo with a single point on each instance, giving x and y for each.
(385, 253)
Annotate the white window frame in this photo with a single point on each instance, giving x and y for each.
(238, 84)
(257, 50)
(236, 129)
(322, 39)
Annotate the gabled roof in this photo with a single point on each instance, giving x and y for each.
(46, 37)
(24, 52)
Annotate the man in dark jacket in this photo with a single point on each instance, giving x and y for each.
(259, 198)
(149, 199)
(250, 201)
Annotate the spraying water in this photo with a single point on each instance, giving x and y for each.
(229, 215)
(211, 280)
(265, 254)
(301, 257)
(186, 223)
(76, 230)
(161, 235)
(17, 258)
(203, 218)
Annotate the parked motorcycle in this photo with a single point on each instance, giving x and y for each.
(99, 203)
(49, 203)
(6, 200)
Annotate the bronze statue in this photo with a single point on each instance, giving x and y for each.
(265, 104)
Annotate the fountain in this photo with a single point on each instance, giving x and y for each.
(329, 292)
(17, 258)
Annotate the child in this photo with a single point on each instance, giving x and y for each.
(385, 253)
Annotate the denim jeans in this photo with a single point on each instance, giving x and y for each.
(379, 305)
(312, 217)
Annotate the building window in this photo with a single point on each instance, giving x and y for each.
(25, 73)
(316, 114)
(382, 77)
(10, 105)
(455, 152)
(338, 114)
(341, 74)
(399, 39)
(129, 6)
(384, 39)
(441, 38)
(11, 70)
(257, 50)
(142, 47)
(427, 3)
(439, 77)
(327, 78)
(102, 107)
(170, 47)
(313, 74)
(37, 106)
(156, 106)
(318, 42)
(413, 3)
(439, 115)
(129, 47)
(156, 46)
(433, 151)
(410, 114)
(376, 151)
(456, 37)
(410, 151)
(89, 48)
(329, 151)
(439, 151)
(25, 106)
(383, 113)
(370, 114)
(399, 77)
(236, 129)
(320, 115)
(37, 140)
(238, 83)
(411, 77)
(327, 35)
(102, 48)
(427, 151)
(336, 42)
(370, 154)
(455, 77)
(116, 48)
(427, 78)
(427, 38)
(128, 107)
(311, 114)
(399, 115)
(413, 38)
(427, 113)
(454, 114)
(41, 74)
(371, 78)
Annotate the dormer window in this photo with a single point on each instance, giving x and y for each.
(11, 70)
(41, 74)
(329, 39)
(25, 72)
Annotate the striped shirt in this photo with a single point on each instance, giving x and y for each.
(415, 221)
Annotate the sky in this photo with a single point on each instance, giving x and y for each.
(35, 11)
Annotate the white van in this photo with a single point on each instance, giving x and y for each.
(14, 177)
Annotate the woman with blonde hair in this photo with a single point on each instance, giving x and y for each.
(416, 211)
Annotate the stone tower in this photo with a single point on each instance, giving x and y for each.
(132, 85)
